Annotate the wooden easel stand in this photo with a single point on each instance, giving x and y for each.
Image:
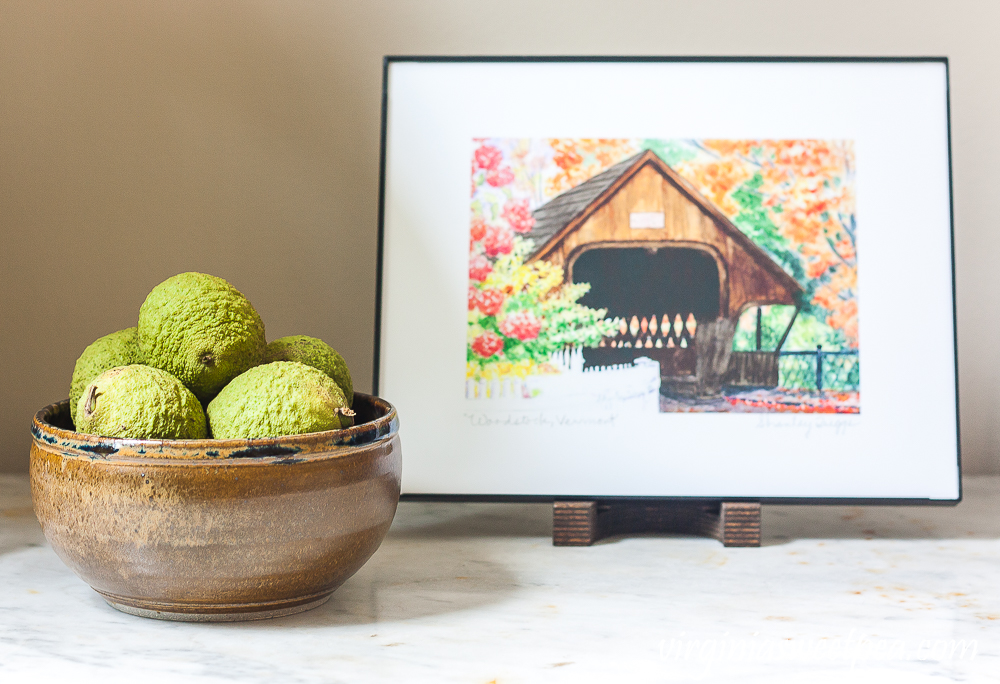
(581, 523)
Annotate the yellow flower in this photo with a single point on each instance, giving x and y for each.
(525, 367)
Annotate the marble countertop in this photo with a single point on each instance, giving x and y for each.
(477, 593)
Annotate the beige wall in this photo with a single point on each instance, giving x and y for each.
(141, 139)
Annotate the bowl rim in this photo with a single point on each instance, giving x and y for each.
(287, 449)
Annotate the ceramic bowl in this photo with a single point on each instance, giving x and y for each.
(211, 529)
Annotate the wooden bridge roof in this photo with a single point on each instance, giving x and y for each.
(556, 214)
(564, 213)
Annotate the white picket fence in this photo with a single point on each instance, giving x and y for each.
(632, 387)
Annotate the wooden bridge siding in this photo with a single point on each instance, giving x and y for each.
(685, 223)
(751, 286)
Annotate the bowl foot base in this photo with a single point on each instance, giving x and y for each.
(218, 613)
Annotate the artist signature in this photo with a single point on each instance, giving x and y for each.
(840, 424)
(537, 420)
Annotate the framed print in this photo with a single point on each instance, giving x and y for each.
(687, 277)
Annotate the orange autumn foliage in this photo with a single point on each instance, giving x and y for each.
(809, 191)
(580, 159)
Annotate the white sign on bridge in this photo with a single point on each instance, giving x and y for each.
(646, 219)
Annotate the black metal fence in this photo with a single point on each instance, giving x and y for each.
(819, 370)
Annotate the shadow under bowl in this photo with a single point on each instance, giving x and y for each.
(217, 530)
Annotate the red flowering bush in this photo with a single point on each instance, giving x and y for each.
(477, 230)
(487, 344)
(488, 157)
(519, 313)
(479, 268)
(500, 177)
(498, 240)
(521, 325)
(490, 302)
(518, 215)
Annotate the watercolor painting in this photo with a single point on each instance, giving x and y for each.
(663, 275)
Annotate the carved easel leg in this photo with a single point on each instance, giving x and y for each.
(574, 523)
(581, 523)
(734, 524)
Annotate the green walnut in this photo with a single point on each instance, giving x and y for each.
(277, 399)
(140, 402)
(316, 353)
(202, 330)
(117, 349)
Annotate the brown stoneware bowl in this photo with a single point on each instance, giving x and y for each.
(211, 529)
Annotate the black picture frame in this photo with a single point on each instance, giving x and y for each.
(388, 61)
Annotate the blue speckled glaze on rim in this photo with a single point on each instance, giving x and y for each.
(377, 423)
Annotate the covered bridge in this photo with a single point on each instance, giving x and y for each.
(664, 259)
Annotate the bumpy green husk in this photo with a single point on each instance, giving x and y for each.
(277, 399)
(316, 353)
(202, 330)
(117, 349)
(140, 402)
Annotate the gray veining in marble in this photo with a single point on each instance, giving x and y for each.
(477, 593)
